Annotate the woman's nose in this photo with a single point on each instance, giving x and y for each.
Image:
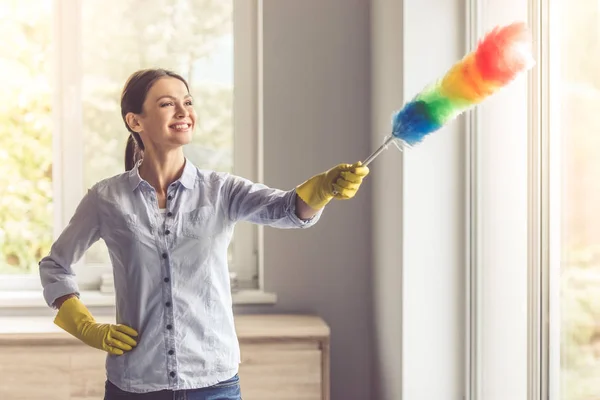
(182, 112)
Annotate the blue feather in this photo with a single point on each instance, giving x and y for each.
(413, 123)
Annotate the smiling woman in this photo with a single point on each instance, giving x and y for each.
(167, 225)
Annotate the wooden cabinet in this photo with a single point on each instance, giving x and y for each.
(284, 357)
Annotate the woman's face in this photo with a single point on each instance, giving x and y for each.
(168, 118)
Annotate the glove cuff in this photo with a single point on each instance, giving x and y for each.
(71, 315)
(310, 194)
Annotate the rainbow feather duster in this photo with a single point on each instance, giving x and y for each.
(500, 56)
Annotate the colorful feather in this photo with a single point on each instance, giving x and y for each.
(500, 56)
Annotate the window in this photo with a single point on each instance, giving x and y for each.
(27, 206)
(66, 63)
(573, 94)
(535, 317)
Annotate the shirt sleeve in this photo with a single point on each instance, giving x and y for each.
(260, 204)
(56, 272)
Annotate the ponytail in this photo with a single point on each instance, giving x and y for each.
(134, 151)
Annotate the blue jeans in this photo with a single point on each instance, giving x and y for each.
(226, 390)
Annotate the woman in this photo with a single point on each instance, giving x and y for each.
(167, 226)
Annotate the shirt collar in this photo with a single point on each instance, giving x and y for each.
(187, 178)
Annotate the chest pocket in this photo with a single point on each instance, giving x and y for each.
(124, 229)
(199, 223)
(138, 229)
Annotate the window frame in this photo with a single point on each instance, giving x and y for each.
(539, 217)
(544, 209)
(68, 143)
(543, 223)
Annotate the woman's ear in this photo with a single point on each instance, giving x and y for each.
(133, 122)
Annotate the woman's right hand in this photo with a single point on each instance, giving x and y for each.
(76, 319)
(340, 182)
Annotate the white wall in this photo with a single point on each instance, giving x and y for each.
(316, 115)
(387, 75)
(503, 227)
(419, 208)
(434, 215)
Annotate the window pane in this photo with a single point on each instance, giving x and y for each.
(575, 93)
(193, 38)
(26, 207)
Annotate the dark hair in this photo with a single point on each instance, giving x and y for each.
(132, 100)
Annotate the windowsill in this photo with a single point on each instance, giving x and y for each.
(34, 299)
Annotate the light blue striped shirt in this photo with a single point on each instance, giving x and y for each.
(170, 271)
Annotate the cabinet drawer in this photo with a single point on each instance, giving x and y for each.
(280, 372)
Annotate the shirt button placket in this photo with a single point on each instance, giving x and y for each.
(170, 324)
(169, 330)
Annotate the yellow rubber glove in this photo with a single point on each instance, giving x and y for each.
(340, 182)
(76, 319)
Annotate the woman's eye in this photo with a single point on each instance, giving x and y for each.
(189, 103)
(166, 104)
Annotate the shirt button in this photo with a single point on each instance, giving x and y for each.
(167, 232)
(169, 326)
(164, 255)
(169, 214)
(168, 304)
(170, 197)
(171, 352)
(166, 279)
(172, 374)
